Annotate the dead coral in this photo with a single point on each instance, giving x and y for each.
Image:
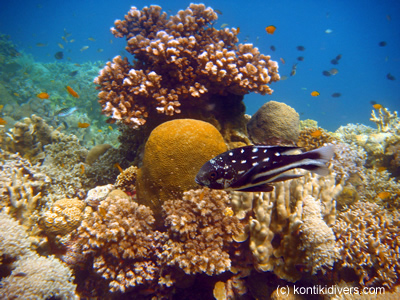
(369, 239)
(201, 230)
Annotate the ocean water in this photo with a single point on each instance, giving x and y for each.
(357, 27)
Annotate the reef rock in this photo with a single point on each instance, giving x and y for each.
(274, 120)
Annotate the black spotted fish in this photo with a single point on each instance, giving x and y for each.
(253, 168)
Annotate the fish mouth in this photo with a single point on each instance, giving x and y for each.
(198, 181)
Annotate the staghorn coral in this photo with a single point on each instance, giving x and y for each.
(312, 138)
(274, 120)
(285, 224)
(369, 239)
(120, 238)
(385, 121)
(64, 216)
(182, 61)
(201, 230)
(174, 153)
(32, 276)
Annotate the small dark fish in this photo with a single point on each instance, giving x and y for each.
(300, 48)
(336, 95)
(373, 102)
(300, 58)
(20, 274)
(326, 73)
(218, 11)
(73, 73)
(334, 62)
(59, 55)
(382, 44)
(252, 168)
(390, 76)
(339, 56)
(272, 48)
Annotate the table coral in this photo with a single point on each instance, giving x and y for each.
(201, 232)
(369, 239)
(174, 153)
(181, 62)
(64, 216)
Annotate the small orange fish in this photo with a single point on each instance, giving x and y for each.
(316, 133)
(72, 92)
(270, 29)
(16, 94)
(99, 130)
(43, 95)
(383, 195)
(3, 122)
(314, 93)
(377, 106)
(381, 169)
(109, 127)
(118, 167)
(238, 30)
(83, 125)
(282, 60)
(82, 169)
(1, 106)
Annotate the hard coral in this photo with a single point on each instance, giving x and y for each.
(64, 216)
(120, 237)
(369, 239)
(201, 230)
(174, 153)
(181, 62)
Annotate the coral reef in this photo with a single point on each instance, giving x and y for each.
(385, 121)
(201, 230)
(174, 153)
(32, 276)
(369, 240)
(285, 224)
(96, 152)
(120, 238)
(182, 61)
(22, 190)
(312, 138)
(64, 216)
(126, 181)
(274, 120)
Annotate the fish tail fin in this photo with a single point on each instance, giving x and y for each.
(318, 159)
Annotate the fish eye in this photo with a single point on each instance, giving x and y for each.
(213, 175)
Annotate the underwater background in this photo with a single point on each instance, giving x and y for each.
(110, 109)
(357, 29)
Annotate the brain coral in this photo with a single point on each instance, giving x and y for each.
(174, 153)
(274, 120)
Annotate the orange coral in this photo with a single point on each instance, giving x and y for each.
(174, 153)
(181, 61)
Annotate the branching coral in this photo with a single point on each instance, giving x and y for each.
(312, 138)
(369, 239)
(120, 237)
(181, 62)
(385, 121)
(201, 230)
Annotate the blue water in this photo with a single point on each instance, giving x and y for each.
(357, 28)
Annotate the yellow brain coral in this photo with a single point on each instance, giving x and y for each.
(64, 216)
(174, 153)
